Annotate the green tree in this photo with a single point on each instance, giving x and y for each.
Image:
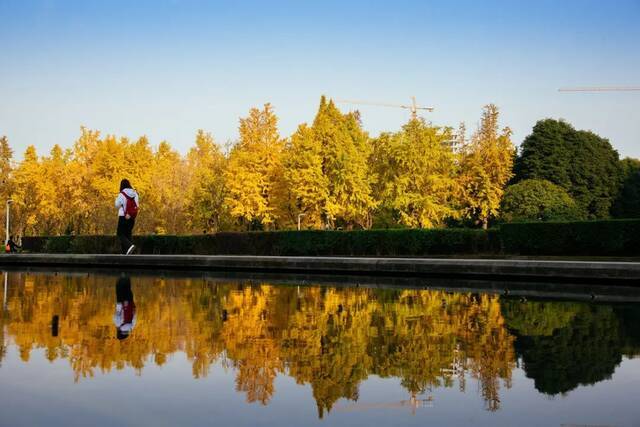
(538, 318)
(627, 204)
(581, 162)
(595, 173)
(537, 200)
(546, 154)
(585, 351)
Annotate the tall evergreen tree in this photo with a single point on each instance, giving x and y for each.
(594, 173)
(627, 203)
(581, 162)
(545, 153)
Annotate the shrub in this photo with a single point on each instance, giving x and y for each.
(538, 200)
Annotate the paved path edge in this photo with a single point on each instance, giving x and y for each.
(599, 271)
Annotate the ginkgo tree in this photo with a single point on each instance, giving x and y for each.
(487, 165)
(307, 185)
(327, 170)
(345, 154)
(206, 190)
(417, 174)
(252, 170)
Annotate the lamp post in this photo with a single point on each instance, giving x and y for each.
(300, 216)
(6, 286)
(6, 237)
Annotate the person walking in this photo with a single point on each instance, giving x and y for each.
(12, 246)
(127, 205)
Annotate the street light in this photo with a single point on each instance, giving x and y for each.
(6, 237)
(300, 216)
(6, 286)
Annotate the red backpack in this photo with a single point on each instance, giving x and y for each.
(131, 207)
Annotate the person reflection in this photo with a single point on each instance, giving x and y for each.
(125, 315)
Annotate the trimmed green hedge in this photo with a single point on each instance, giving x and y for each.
(613, 237)
(312, 243)
(590, 238)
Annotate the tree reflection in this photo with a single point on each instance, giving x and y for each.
(564, 345)
(330, 338)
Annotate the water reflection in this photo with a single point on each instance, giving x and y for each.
(564, 345)
(332, 339)
(125, 315)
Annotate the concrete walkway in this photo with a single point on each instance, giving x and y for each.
(583, 271)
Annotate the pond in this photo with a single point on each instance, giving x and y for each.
(132, 349)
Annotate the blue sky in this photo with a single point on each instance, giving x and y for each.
(167, 68)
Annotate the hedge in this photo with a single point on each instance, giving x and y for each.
(587, 238)
(313, 243)
(608, 238)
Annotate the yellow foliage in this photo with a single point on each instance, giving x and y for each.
(206, 191)
(329, 175)
(487, 166)
(416, 171)
(254, 165)
(330, 338)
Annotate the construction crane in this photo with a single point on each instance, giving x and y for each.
(413, 107)
(600, 89)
